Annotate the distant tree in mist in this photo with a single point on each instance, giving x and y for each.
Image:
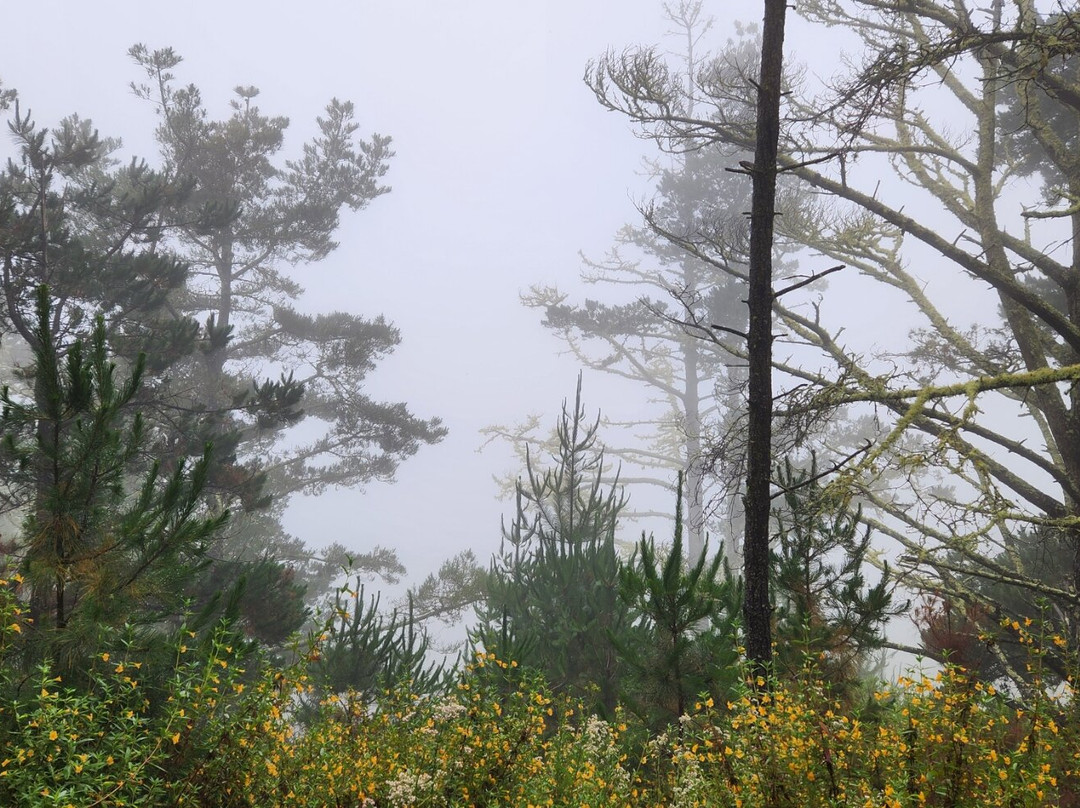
(252, 222)
(974, 414)
(664, 340)
(652, 323)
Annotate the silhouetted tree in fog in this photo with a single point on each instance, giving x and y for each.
(191, 266)
(252, 221)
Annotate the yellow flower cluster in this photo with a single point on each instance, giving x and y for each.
(483, 743)
(941, 739)
(219, 735)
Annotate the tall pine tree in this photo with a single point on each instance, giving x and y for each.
(253, 222)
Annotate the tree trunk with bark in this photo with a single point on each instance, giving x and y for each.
(757, 612)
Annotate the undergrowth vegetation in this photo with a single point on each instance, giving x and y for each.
(226, 730)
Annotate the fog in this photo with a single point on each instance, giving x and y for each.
(505, 168)
(565, 209)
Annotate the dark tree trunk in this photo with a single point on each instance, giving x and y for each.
(757, 613)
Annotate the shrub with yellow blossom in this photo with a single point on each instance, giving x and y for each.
(225, 731)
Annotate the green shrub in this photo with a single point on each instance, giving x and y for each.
(224, 730)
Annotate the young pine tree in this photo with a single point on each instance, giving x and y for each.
(553, 593)
(684, 614)
(824, 610)
(105, 548)
(366, 651)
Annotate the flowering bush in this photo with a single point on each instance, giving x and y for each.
(929, 740)
(226, 732)
(476, 744)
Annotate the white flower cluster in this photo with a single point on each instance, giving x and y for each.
(691, 789)
(599, 745)
(405, 789)
(597, 737)
(441, 713)
(448, 710)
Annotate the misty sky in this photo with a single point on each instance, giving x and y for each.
(506, 167)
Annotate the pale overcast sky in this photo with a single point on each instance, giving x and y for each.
(506, 167)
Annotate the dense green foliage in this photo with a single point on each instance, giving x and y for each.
(552, 601)
(222, 731)
(656, 632)
(105, 551)
(366, 652)
(683, 647)
(145, 653)
(823, 606)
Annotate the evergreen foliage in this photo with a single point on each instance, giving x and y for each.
(366, 652)
(192, 265)
(683, 647)
(253, 218)
(114, 694)
(268, 603)
(553, 594)
(72, 217)
(824, 609)
(103, 547)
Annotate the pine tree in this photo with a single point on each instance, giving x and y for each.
(552, 602)
(825, 612)
(105, 548)
(251, 224)
(366, 651)
(193, 266)
(73, 217)
(684, 644)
